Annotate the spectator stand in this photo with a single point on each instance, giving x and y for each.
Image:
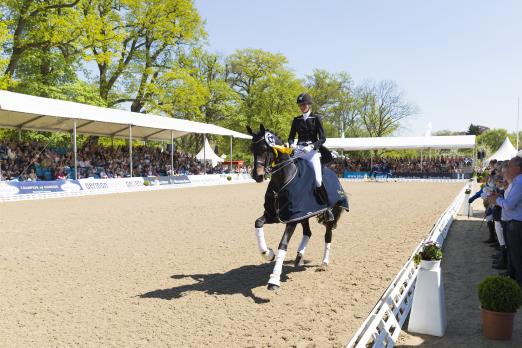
(25, 112)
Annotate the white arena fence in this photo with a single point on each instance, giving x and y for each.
(383, 325)
(16, 191)
(367, 179)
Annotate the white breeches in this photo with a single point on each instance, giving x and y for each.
(500, 234)
(314, 158)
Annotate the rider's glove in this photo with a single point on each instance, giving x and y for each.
(293, 146)
(308, 148)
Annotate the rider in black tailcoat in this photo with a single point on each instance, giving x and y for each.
(309, 128)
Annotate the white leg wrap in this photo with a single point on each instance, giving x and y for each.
(261, 244)
(326, 256)
(303, 244)
(278, 268)
(500, 234)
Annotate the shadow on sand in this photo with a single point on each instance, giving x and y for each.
(240, 280)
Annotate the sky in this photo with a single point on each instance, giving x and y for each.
(459, 62)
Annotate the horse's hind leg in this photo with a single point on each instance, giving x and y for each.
(266, 252)
(307, 233)
(274, 281)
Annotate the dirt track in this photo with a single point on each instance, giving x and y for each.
(180, 268)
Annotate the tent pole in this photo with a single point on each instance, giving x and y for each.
(231, 154)
(171, 152)
(75, 151)
(130, 148)
(421, 161)
(474, 156)
(204, 154)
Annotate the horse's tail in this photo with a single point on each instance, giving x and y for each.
(337, 211)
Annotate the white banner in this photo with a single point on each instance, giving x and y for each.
(120, 184)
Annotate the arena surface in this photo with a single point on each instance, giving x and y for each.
(180, 268)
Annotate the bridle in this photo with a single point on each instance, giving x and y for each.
(269, 163)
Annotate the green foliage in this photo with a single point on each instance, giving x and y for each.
(149, 57)
(493, 138)
(500, 294)
(430, 252)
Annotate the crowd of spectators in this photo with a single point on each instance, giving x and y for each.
(501, 192)
(434, 165)
(36, 161)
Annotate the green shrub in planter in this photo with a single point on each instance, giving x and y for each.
(430, 252)
(500, 294)
(146, 183)
(229, 178)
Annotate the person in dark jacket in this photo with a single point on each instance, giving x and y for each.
(310, 139)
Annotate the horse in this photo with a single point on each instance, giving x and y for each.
(286, 203)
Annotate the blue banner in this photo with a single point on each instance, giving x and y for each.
(31, 187)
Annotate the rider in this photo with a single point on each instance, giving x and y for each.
(309, 128)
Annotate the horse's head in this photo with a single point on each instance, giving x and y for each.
(263, 143)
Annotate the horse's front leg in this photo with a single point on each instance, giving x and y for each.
(327, 244)
(266, 252)
(274, 282)
(307, 233)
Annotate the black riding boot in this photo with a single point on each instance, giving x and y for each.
(322, 197)
(492, 234)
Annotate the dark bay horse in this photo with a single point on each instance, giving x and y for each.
(272, 158)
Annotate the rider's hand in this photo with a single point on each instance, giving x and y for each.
(293, 146)
(308, 148)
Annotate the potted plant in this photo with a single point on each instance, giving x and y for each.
(429, 257)
(229, 178)
(468, 191)
(500, 297)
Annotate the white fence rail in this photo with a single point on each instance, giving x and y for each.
(108, 186)
(404, 180)
(383, 325)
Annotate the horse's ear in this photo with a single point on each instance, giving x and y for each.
(249, 130)
(261, 128)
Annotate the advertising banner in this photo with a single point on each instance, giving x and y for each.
(119, 184)
(33, 187)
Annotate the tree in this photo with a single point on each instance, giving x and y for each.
(492, 139)
(475, 129)
(245, 69)
(333, 98)
(382, 108)
(133, 42)
(38, 26)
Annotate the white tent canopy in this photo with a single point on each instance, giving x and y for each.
(23, 111)
(505, 152)
(208, 154)
(400, 143)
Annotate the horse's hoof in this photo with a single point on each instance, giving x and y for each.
(272, 287)
(299, 260)
(268, 255)
(323, 267)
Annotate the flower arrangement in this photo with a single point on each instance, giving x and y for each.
(430, 252)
